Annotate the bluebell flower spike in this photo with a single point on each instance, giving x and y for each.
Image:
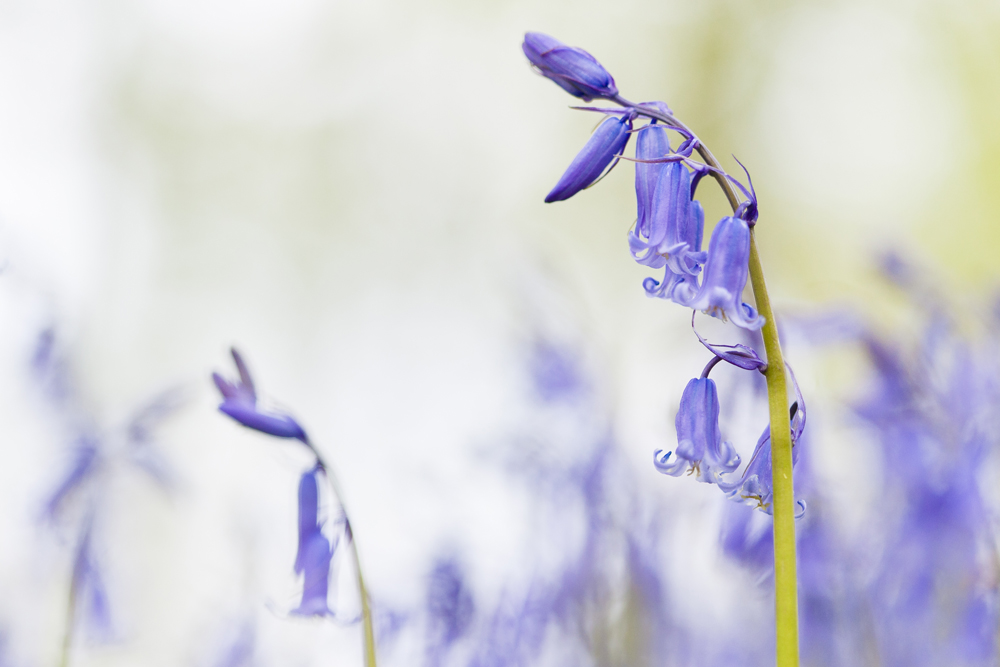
(700, 448)
(725, 276)
(572, 69)
(607, 141)
(240, 403)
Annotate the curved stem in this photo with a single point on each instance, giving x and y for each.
(366, 611)
(785, 582)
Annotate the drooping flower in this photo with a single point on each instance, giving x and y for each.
(312, 560)
(700, 448)
(607, 141)
(573, 69)
(240, 403)
(726, 273)
(756, 486)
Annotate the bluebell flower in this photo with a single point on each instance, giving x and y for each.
(726, 272)
(607, 141)
(670, 224)
(312, 560)
(700, 448)
(756, 486)
(574, 70)
(450, 609)
(240, 403)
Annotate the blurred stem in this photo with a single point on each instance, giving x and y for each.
(67, 642)
(785, 582)
(366, 611)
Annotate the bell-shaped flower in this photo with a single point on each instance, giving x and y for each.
(756, 486)
(312, 560)
(700, 448)
(726, 273)
(574, 70)
(607, 141)
(240, 403)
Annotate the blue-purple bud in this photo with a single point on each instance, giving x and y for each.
(574, 70)
(726, 273)
(700, 449)
(312, 560)
(240, 403)
(607, 141)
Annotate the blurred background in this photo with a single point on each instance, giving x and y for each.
(351, 193)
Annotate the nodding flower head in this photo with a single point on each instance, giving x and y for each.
(239, 401)
(607, 141)
(574, 70)
(726, 275)
(756, 486)
(315, 552)
(700, 449)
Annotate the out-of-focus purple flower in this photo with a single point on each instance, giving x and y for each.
(238, 650)
(700, 449)
(607, 141)
(726, 272)
(450, 609)
(554, 372)
(312, 560)
(573, 69)
(756, 486)
(91, 598)
(85, 465)
(240, 403)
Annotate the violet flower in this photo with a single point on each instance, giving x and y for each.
(312, 560)
(607, 141)
(700, 448)
(726, 275)
(574, 70)
(240, 403)
(756, 486)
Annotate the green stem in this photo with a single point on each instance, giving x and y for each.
(67, 642)
(785, 582)
(366, 612)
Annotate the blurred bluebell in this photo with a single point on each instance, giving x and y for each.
(450, 609)
(90, 597)
(700, 448)
(240, 403)
(607, 141)
(554, 372)
(726, 272)
(312, 559)
(573, 69)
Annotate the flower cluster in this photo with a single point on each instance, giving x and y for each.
(667, 235)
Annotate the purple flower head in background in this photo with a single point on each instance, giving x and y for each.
(700, 449)
(450, 609)
(574, 70)
(240, 403)
(726, 272)
(607, 141)
(312, 560)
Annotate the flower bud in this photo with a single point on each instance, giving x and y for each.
(574, 70)
(608, 140)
